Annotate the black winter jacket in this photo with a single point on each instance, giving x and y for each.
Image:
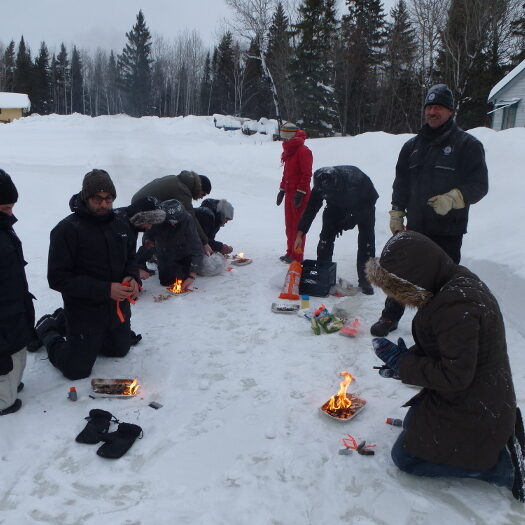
(86, 254)
(17, 315)
(345, 188)
(435, 162)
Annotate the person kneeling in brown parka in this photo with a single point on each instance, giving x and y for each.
(464, 422)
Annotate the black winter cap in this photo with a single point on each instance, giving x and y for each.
(205, 184)
(8, 193)
(440, 95)
(96, 181)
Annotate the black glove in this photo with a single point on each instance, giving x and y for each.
(119, 442)
(298, 198)
(280, 197)
(97, 424)
(389, 352)
(6, 364)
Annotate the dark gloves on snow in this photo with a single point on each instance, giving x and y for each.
(298, 198)
(280, 197)
(390, 354)
(97, 423)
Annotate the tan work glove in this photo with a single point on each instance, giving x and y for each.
(442, 204)
(396, 221)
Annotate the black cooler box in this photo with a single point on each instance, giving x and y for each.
(317, 277)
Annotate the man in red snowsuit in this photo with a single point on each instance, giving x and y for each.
(295, 185)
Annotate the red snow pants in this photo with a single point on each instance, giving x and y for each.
(292, 216)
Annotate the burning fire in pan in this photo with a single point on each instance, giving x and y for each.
(343, 405)
(176, 287)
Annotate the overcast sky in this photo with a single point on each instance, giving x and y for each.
(104, 23)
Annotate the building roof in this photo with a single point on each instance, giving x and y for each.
(506, 79)
(14, 100)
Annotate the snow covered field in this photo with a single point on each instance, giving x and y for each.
(240, 438)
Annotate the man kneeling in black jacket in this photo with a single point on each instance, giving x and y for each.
(92, 264)
(350, 200)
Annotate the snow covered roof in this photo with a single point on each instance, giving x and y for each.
(14, 100)
(506, 79)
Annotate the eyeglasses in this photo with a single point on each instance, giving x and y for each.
(97, 199)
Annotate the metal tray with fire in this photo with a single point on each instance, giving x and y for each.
(116, 388)
(343, 406)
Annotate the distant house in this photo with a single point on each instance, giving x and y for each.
(13, 106)
(508, 99)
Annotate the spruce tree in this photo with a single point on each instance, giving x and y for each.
(8, 67)
(113, 93)
(61, 76)
(41, 102)
(519, 32)
(313, 68)
(256, 100)
(135, 69)
(223, 95)
(77, 83)
(23, 80)
(205, 87)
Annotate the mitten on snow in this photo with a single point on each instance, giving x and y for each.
(389, 352)
(119, 442)
(280, 197)
(97, 424)
(396, 221)
(298, 198)
(442, 204)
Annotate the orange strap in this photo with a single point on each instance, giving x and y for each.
(120, 315)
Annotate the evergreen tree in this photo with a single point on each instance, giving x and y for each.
(519, 32)
(23, 80)
(256, 100)
(223, 94)
(61, 79)
(401, 109)
(113, 93)
(41, 101)
(279, 58)
(7, 74)
(135, 69)
(77, 83)
(360, 56)
(313, 68)
(205, 88)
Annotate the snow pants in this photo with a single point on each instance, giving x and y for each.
(9, 382)
(292, 216)
(76, 356)
(366, 245)
(451, 245)
(501, 474)
(171, 269)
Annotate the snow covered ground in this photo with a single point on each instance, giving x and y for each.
(240, 438)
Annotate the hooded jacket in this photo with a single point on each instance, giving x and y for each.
(17, 315)
(432, 163)
(211, 221)
(86, 254)
(184, 187)
(297, 159)
(465, 412)
(345, 188)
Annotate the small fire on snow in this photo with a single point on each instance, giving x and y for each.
(176, 287)
(343, 405)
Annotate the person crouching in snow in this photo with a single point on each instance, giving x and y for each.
(212, 215)
(295, 185)
(350, 200)
(17, 315)
(177, 244)
(464, 422)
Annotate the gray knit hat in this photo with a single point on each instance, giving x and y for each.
(440, 95)
(225, 209)
(96, 181)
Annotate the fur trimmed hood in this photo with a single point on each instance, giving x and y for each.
(411, 269)
(141, 218)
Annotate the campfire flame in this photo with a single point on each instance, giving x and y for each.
(341, 401)
(132, 388)
(176, 286)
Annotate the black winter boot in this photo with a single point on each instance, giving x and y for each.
(366, 289)
(119, 442)
(383, 327)
(134, 339)
(97, 424)
(15, 407)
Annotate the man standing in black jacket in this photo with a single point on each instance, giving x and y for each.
(439, 174)
(350, 200)
(92, 264)
(17, 314)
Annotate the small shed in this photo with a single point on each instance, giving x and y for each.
(13, 106)
(508, 100)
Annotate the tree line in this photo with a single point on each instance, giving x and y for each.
(350, 73)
